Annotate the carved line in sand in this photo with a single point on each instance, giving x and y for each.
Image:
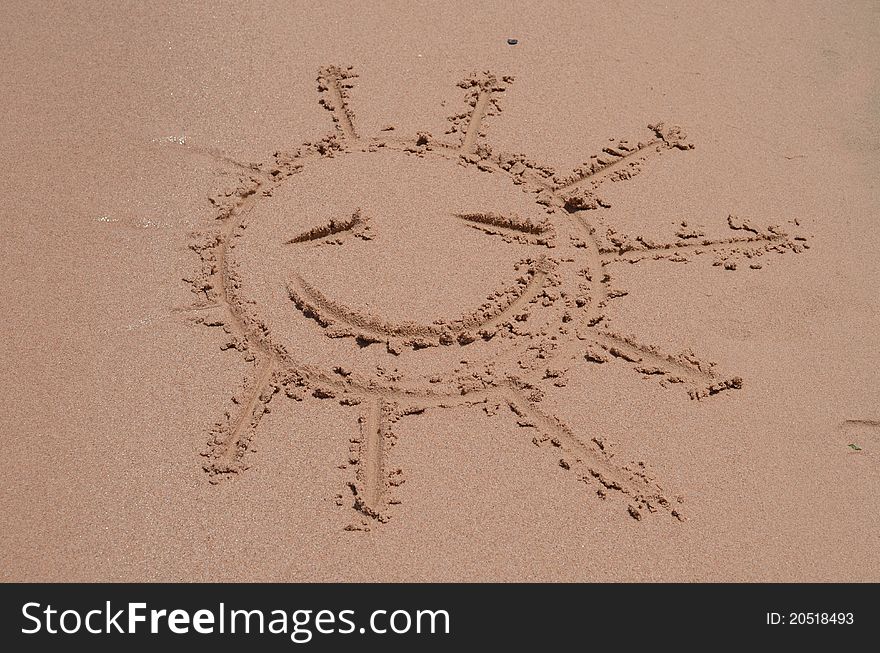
(341, 321)
(273, 369)
(356, 224)
(511, 228)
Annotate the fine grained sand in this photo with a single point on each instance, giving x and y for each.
(330, 295)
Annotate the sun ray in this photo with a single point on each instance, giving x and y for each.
(593, 459)
(231, 437)
(758, 241)
(469, 141)
(649, 360)
(218, 155)
(334, 84)
(481, 97)
(223, 157)
(664, 250)
(369, 486)
(621, 161)
(611, 161)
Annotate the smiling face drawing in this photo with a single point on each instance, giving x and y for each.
(392, 261)
(403, 275)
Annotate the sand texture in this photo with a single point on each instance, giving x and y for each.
(324, 293)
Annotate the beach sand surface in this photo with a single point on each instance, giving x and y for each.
(321, 293)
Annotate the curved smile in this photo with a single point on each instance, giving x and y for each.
(341, 321)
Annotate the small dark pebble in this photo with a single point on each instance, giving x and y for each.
(512, 41)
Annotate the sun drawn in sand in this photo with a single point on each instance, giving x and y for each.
(330, 268)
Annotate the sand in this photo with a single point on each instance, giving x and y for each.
(312, 294)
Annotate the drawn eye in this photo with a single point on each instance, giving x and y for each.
(510, 227)
(356, 224)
